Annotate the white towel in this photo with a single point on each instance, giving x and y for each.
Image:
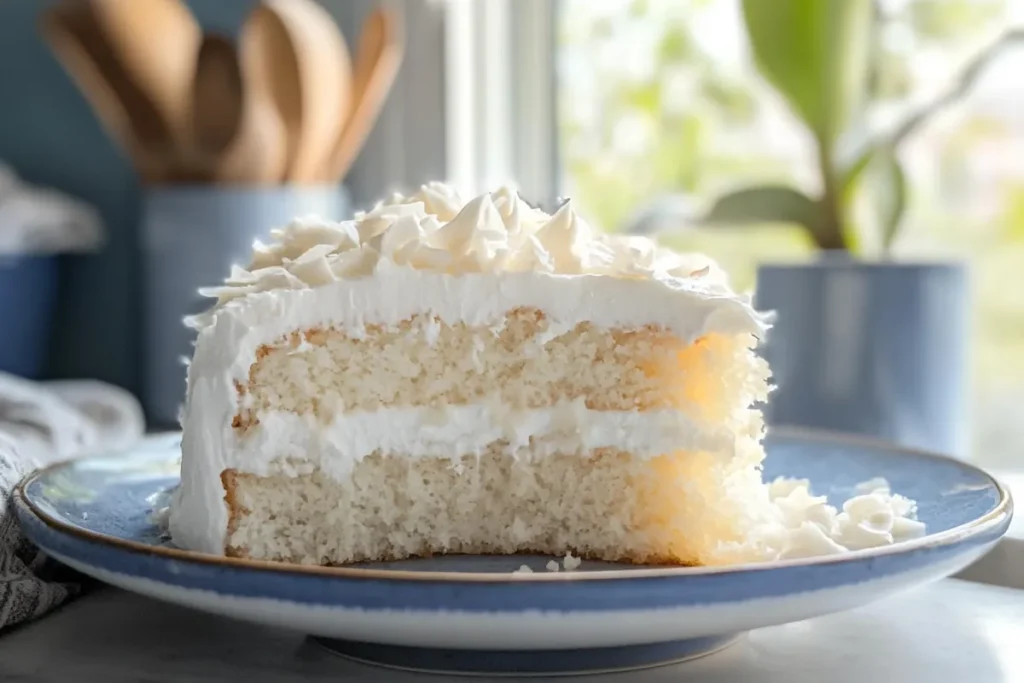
(39, 220)
(40, 423)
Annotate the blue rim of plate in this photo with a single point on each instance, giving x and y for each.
(999, 515)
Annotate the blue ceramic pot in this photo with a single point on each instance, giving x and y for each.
(871, 348)
(28, 294)
(190, 238)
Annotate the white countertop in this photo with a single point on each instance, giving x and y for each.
(952, 629)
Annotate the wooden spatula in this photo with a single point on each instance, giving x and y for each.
(156, 42)
(298, 51)
(77, 40)
(378, 58)
(239, 136)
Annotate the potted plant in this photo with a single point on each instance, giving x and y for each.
(869, 346)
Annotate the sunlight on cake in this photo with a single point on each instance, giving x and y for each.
(441, 376)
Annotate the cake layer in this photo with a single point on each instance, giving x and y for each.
(528, 362)
(680, 508)
(231, 335)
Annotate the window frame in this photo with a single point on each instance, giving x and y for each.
(500, 96)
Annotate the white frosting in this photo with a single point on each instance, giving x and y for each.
(457, 261)
(436, 252)
(465, 430)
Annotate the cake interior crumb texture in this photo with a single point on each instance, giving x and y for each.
(525, 363)
(603, 505)
(676, 507)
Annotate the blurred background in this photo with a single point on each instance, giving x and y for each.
(663, 99)
(898, 141)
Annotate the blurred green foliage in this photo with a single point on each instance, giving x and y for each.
(693, 110)
(832, 61)
(818, 54)
(946, 21)
(678, 129)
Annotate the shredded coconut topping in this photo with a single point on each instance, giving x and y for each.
(805, 525)
(799, 524)
(436, 230)
(571, 563)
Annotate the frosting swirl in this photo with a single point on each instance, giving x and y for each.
(436, 230)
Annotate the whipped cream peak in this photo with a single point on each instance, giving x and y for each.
(436, 230)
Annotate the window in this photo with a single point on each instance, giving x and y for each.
(644, 110)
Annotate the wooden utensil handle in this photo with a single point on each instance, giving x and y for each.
(379, 58)
(79, 44)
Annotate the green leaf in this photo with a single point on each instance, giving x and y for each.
(854, 161)
(766, 204)
(888, 191)
(815, 52)
(676, 46)
(853, 240)
(881, 184)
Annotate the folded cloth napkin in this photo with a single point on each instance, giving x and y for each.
(38, 220)
(42, 423)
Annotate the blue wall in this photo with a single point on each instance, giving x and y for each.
(50, 136)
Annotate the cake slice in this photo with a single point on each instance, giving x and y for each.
(441, 376)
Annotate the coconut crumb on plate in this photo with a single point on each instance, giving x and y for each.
(571, 563)
(799, 524)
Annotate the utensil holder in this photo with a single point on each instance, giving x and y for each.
(190, 237)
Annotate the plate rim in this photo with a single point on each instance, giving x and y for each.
(1000, 514)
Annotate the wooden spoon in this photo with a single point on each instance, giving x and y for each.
(378, 58)
(78, 42)
(257, 154)
(156, 41)
(216, 99)
(239, 137)
(296, 50)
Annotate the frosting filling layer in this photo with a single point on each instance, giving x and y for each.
(290, 443)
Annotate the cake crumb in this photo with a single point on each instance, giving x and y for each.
(553, 566)
(523, 569)
(161, 517)
(876, 485)
(571, 563)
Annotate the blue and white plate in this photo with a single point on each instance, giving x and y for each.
(471, 614)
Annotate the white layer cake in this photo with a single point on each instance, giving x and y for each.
(440, 376)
